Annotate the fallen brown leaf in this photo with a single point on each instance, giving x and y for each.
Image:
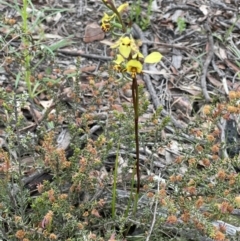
(214, 81)
(90, 68)
(231, 65)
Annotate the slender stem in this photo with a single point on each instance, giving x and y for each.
(136, 114)
(121, 21)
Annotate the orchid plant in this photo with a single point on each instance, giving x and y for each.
(129, 61)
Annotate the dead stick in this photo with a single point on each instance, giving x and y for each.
(176, 46)
(79, 53)
(207, 62)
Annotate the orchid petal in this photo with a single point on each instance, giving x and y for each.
(122, 7)
(152, 58)
(119, 59)
(134, 65)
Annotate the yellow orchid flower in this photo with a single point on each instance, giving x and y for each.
(134, 67)
(106, 27)
(129, 52)
(106, 22)
(124, 45)
(106, 19)
(118, 68)
(118, 63)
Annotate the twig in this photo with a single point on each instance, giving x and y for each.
(207, 62)
(222, 5)
(176, 46)
(221, 75)
(79, 53)
(235, 76)
(222, 126)
(185, 8)
(183, 36)
(215, 67)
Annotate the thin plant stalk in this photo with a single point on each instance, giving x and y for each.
(136, 115)
(137, 171)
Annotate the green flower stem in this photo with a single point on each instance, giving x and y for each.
(108, 4)
(136, 115)
(120, 20)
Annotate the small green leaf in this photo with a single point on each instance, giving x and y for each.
(152, 58)
(60, 44)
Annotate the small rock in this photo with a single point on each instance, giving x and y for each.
(93, 32)
(128, 93)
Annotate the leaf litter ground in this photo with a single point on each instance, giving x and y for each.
(200, 44)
